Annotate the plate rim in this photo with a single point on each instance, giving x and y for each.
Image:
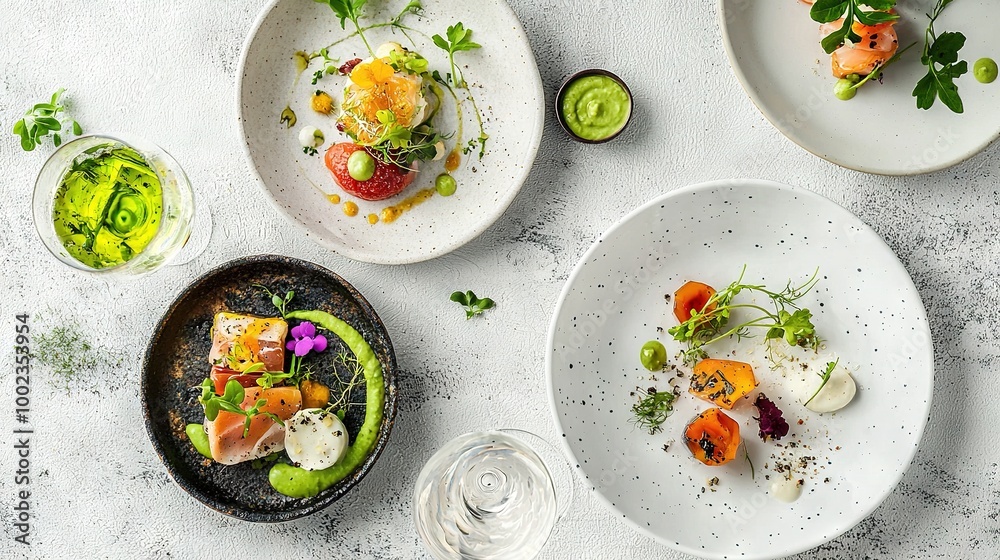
(390, 403)
(751, 92)
(521, 176)
(924, 327)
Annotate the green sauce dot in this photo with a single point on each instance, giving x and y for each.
(985, 70)
(361, 166)
(844, 89)
(653, 355)
(445, 184)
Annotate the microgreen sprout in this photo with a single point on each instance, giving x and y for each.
(279, 302)
(231, 400)
(349, 10)
(653, 409)
(458, 39)
(356, 371)
(43, 119)
(787, 321)
(473, 305)
(830, 366)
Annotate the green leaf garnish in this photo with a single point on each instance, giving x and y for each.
(830, 366)
(350, 10)
(231, 400)
(940, 56)
(827, 11)
(653, 409)
(472, 304)
(458, 39)
(787, 321)
(41, 121)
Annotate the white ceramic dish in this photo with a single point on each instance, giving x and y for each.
(865, 307)
(774, 50)
(506, 85)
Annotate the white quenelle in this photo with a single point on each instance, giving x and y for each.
(315, 439)
(836, 394)
(311, 137)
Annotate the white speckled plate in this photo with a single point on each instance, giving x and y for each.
(865, 307)
(504, 80)
(774, 49)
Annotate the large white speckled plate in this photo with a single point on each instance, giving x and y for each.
(865, 308)
(774, 49)
(504, 80)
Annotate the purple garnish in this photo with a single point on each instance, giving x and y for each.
(772, 424)
(305, 340)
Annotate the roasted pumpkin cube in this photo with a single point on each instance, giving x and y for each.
(712, 437)
(723, 382)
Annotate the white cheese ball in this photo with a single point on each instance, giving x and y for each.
(315, 439)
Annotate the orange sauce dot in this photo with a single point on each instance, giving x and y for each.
(453, 160)
(390, 213)
(334, 198)
(373, 219)
(350, 208)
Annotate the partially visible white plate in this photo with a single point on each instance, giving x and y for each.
(506, 85)
(865, 307)
(774, 50)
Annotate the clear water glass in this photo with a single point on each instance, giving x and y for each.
(491, 495)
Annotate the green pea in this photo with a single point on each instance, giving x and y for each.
(854, 78)
(844, 89)
(361, 166)
(653, 355)
(445, 184)
(985, 70)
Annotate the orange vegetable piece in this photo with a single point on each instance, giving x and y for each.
(692, 296)
(723, 382)
(713, 437)
(314, 394)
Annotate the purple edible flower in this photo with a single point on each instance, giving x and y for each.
(305, 339)
(772, 424)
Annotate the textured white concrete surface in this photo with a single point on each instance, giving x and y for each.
(167, 71)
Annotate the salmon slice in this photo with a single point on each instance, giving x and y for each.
(260, 339)
(221, 375)
(225, 433)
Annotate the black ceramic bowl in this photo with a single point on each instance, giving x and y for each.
(583, 74)
(176, 362)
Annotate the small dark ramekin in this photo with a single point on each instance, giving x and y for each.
(583, 74)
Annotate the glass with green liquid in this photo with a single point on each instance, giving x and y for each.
(104, 204)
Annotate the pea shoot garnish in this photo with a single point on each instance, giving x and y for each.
(231, 400)
(458, 39)
(653, 409)
(940, 56)
(787, 321)
(42, 120)
(472, 304)
(830, 366)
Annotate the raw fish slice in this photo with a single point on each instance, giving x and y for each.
(225, 433)
(221, 375)
(262, 338)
